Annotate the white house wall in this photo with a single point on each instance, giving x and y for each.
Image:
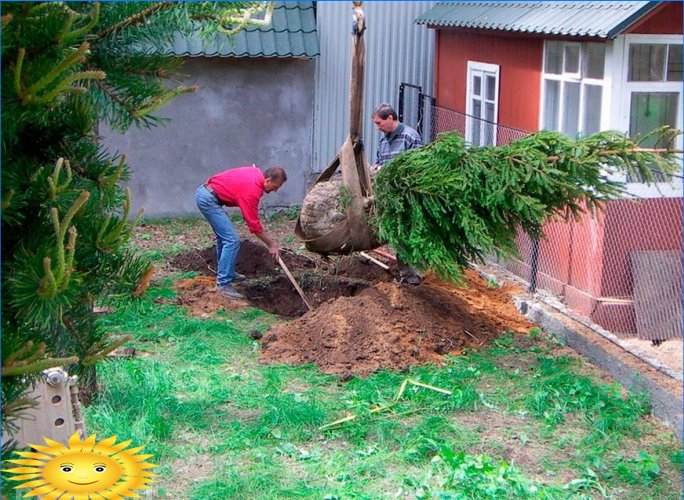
(397, 51)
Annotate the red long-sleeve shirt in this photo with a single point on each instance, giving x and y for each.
(241, 187)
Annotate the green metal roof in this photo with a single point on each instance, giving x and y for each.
(292, 33)
(585, 19)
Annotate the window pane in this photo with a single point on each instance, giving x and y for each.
(647, 112)
(477, 108)
(646, 62)
(571, 101)
(594, 57)
(572, 55)
(650, 110)
(674, 63)
(489, 112)
(553, 58)
(488, 139)
(490, 81)
(592, 109)
(477, 85)
(551, 104)
(475, 123)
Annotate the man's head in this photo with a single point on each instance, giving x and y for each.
(385, 118)
(274, 177)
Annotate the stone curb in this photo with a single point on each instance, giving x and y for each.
(628, 369)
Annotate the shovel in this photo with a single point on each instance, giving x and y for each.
(294, 282)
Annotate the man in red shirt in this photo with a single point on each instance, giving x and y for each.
(240, 187)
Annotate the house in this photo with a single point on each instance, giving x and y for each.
(580, 67)
(275, 94)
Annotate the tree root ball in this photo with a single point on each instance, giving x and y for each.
(321, 209)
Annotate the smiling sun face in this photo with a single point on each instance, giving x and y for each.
(79, 472)
(103, 469)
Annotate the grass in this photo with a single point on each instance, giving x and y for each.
(522, 421)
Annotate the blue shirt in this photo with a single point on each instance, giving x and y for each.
(403, 138)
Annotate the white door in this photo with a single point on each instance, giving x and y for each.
(482, 103)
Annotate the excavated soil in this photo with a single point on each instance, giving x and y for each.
(361, 320)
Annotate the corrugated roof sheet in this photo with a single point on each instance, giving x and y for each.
(588, 19)
(292, 33)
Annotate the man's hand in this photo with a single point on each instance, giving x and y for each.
(273, 250)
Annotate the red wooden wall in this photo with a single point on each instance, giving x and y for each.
(520, 61)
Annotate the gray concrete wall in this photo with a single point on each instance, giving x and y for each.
(247, 111)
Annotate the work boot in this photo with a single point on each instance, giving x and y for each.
(230, 292)
(239, 277)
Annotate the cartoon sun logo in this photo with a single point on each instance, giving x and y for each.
(83, 469)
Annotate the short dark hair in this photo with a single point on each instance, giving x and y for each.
(276, 174)
(384, 111)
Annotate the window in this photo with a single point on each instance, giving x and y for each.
(654, 88)
(573, 87)
(482, 103)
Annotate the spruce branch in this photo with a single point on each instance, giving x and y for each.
(57, 279)
(18, 66)
(159, 101)
(64, 85)
(111, 236)
(139, 18)
(105, 180)
(76, 57)
(101, 350)
(31, 359)
(54, 186)
(67, 35)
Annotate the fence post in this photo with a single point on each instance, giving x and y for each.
(534, 262)
(433, 121)
(421, 96)
(401, 103)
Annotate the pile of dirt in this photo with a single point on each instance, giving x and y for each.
(390, 326)
(362, 319)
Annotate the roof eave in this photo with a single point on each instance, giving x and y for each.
(634, 18)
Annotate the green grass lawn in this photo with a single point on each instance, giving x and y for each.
(525, 419)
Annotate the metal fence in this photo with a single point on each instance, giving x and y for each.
(620, 269)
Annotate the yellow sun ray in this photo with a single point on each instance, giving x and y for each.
(83, 469)
(23, 476)
(26, 462)
(22, 470)
(53, 495)
(31, 484)
(41, 490)
(28, 454)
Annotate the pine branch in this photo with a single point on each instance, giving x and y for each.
(30, 359)
(136, 19)
(101, 353)
(66, 35)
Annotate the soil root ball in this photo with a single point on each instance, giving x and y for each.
(321, 210)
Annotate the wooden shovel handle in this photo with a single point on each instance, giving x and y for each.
(294, 282)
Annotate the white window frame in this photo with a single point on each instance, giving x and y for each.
(474, 66)
(574, 78)
(638, 189)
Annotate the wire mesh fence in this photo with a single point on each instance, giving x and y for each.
(620, 268)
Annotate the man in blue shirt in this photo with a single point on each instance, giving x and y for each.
(397, 138)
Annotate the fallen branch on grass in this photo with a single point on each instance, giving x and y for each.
(378, 409)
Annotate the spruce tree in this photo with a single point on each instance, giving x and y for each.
(65, 214)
